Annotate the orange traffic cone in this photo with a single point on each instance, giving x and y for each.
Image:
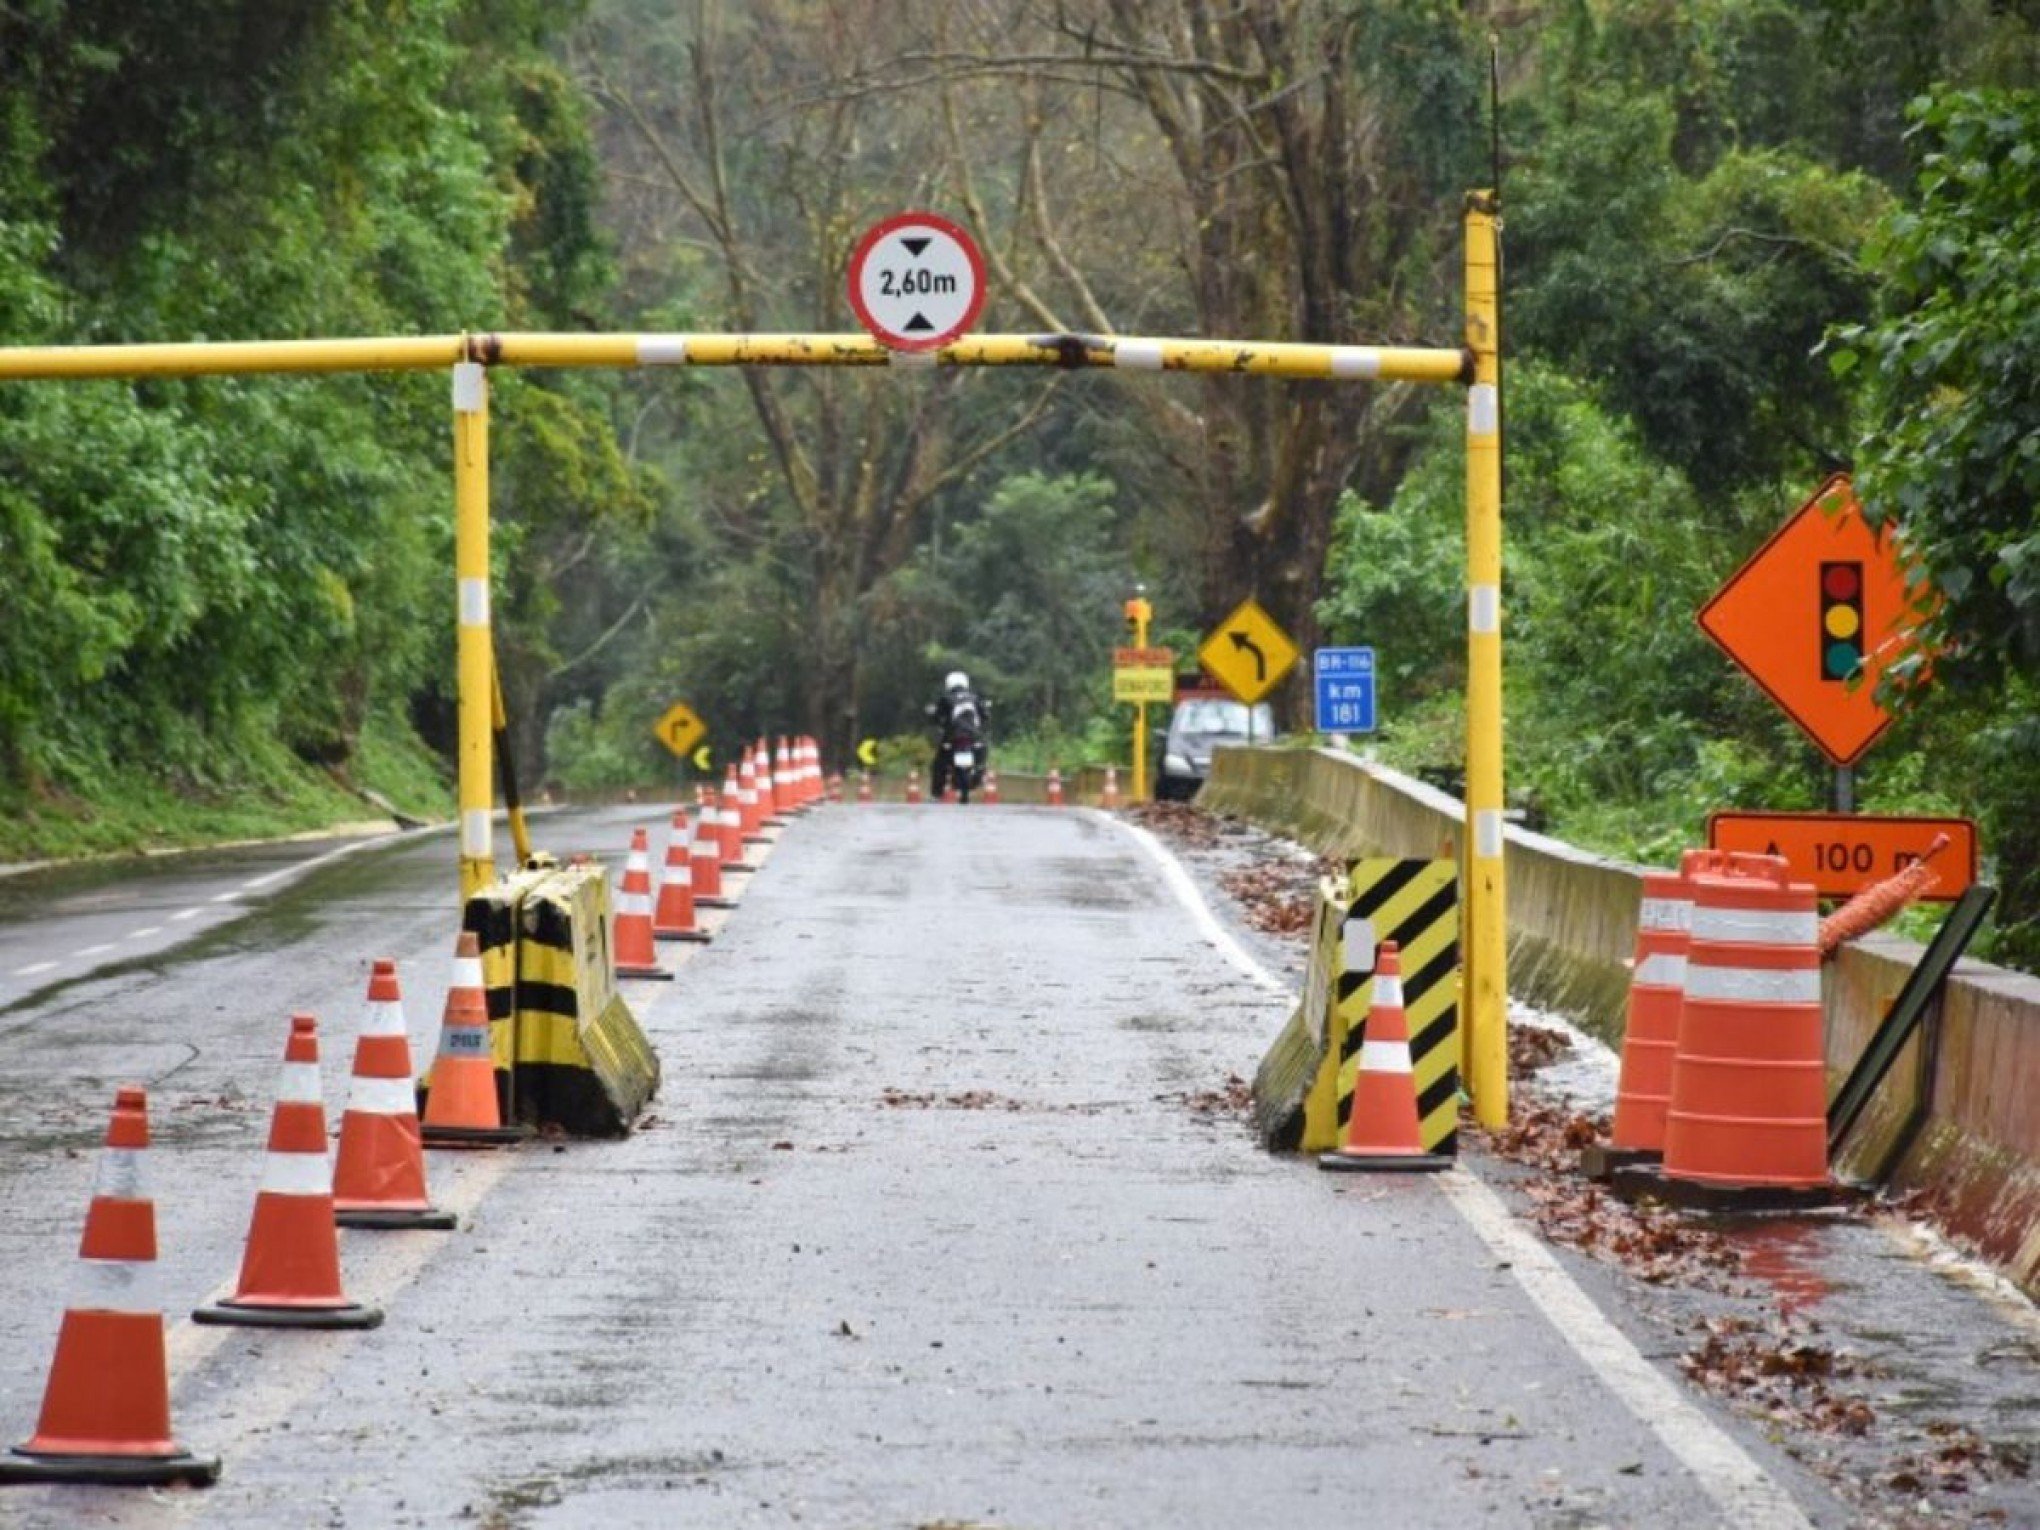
(1382, 1132)
(1650, 1038)
(106, 1407)
(461, 1107)
(864, 786)
(775, 784)
(290, 1273)
(834, 791)
(673, 915)
(1055, 790)
(1110, 800)
(1749, 1084)
(811, 770)
(706, 863)
(991, 786)
(636, 955)
(913, 787)
(379, 1175)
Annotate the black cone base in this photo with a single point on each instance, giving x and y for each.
(20, 1465)
(394, 1218)
(232, 1313)
(473, 1136)
(699, 937)
(1342, 1162)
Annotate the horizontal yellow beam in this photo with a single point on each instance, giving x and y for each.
(431, 352)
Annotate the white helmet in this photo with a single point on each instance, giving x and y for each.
(956, 680)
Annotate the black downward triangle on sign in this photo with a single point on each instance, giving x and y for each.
(915, 246)
(918, 322)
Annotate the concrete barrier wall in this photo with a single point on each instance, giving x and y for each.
(1963, 1133)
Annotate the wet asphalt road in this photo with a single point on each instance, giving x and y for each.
(925, 1228)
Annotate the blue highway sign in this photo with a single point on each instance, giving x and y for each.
(1344, 681)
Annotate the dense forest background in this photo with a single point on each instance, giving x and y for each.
(1747, 242)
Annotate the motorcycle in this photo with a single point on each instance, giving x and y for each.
(960, 759)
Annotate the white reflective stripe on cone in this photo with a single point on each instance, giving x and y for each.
(467, 972)
(1756, 926)
(382, 1096)
(1388, 990)
(121, 1177)
(384, 1019)
(1661, 970)
(297, 1174)
(1384, 1057)
(1754, 985)
(117, 1285)
(299, 1085)
(633, 903)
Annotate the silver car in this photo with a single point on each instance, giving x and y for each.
(1200, 724)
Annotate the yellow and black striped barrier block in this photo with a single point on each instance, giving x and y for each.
(1416, 905)
(491, 913)
(582, 1063)
(1285, 1084)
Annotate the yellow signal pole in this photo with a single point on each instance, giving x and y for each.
(1138, 614)
(475, 652)
(1485, 1044)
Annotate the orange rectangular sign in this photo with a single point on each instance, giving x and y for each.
(1843, 853)
(1143, 658)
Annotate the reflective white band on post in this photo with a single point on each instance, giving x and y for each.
(382, 1096)
(1484, 608)
(1483, 410)
(476, 838)
(474, 602)
(1756, 926)
(117, 1285)
(1666, 914)
(1384, 1057)
(1487, 834)
(470, 387)
(661, 350)
(1661, 970)
(120, 1176)
(1355, 361)
(297, 1174)
(299, 1084)
(1356, 939)
(1137, 355)
(1754, 985)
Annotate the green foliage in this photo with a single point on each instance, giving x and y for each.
(1951, 448)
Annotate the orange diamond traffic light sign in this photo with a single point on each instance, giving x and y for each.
(1816, 616)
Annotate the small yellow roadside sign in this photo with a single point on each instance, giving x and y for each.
(1143, 684)
(1248, 653)
(680, 729)
(867, 753)
(1144, 674)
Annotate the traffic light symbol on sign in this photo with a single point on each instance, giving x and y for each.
(1841, 619)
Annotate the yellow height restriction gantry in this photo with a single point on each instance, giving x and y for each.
(467, 358)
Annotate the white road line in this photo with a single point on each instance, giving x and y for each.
(144, 934)
(33, 968)
(1746, 1494)
(185, 913)
(99, 950)
(225, 897)
(1192, 900)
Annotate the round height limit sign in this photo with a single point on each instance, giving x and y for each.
(916, 281)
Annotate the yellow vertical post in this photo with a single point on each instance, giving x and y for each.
(1485, 948)
(1138, 615)
(476, 654)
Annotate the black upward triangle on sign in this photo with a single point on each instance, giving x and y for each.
(918, 322)
(915, 246)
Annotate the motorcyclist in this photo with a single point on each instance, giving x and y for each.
(959, 714)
